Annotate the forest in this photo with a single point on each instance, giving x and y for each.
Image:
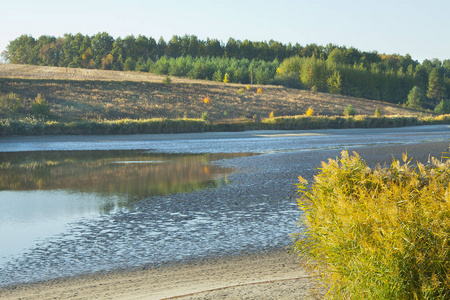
(332, 69)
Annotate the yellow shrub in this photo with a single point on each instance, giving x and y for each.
(207, 100)
(259, 90)
(310, 112)
(226, 78)
(271, 115)
(381, 233)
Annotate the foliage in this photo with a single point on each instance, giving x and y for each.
(377, 112)
(381, 233)
(207, 100)
(40, 107)
(205, 116)
(443, 107)
(167, 80)
(310, 111)
(436, 89)
(9, 102)
(271, 115)
(217, 76)
(334, 83)
(330, 68)
(349, 111)
(129, 65)
(226, 78)
(314, 73)
(415, 98)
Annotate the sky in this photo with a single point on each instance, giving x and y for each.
(419, 28)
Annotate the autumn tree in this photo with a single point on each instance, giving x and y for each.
(86, 59)
(107, 62)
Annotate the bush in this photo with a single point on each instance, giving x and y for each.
(167, 80)
(40, 107)
(377, 112)
(310, 111)
(381, 233)
(349, 111)
(9, 102)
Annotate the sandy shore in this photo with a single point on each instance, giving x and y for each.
(271, 275)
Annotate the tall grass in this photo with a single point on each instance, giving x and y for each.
(380, 233)
(31, 126)
(360, 121)
(36, 126)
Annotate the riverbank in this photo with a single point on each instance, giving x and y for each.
(39, 127)
(273, 275)
(255, 275)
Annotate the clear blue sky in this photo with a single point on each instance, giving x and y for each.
(420, 28)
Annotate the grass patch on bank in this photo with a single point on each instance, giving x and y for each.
(380, 233)
(37, 126)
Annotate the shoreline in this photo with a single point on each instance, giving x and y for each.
(251, 275)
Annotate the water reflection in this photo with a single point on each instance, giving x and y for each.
(135, 174)
(41, 192)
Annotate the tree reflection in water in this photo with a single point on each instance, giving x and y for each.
(132, 175)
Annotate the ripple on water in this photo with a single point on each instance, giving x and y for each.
(145, 236)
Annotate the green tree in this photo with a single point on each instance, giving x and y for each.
(443, 107)
(415, 98)
(436, 89)
(102, 45)
(336, 57)
(129, 65)
(334, 83)
(314, 73)
(217, 76)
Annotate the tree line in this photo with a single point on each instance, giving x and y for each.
(331, 68)
(415, 85)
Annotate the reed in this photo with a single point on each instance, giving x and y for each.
(381, 233)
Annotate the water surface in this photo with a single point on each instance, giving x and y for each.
(41, 193)
(66, 213)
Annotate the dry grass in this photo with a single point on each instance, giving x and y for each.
(80, 94)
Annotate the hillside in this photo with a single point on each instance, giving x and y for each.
(80, 94)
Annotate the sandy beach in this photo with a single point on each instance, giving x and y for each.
(273, 274)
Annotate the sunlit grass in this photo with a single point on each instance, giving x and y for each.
(39, 126)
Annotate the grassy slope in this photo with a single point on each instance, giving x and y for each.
(77, 94)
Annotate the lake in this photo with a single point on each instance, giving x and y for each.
(42, 192)
(73, 205)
